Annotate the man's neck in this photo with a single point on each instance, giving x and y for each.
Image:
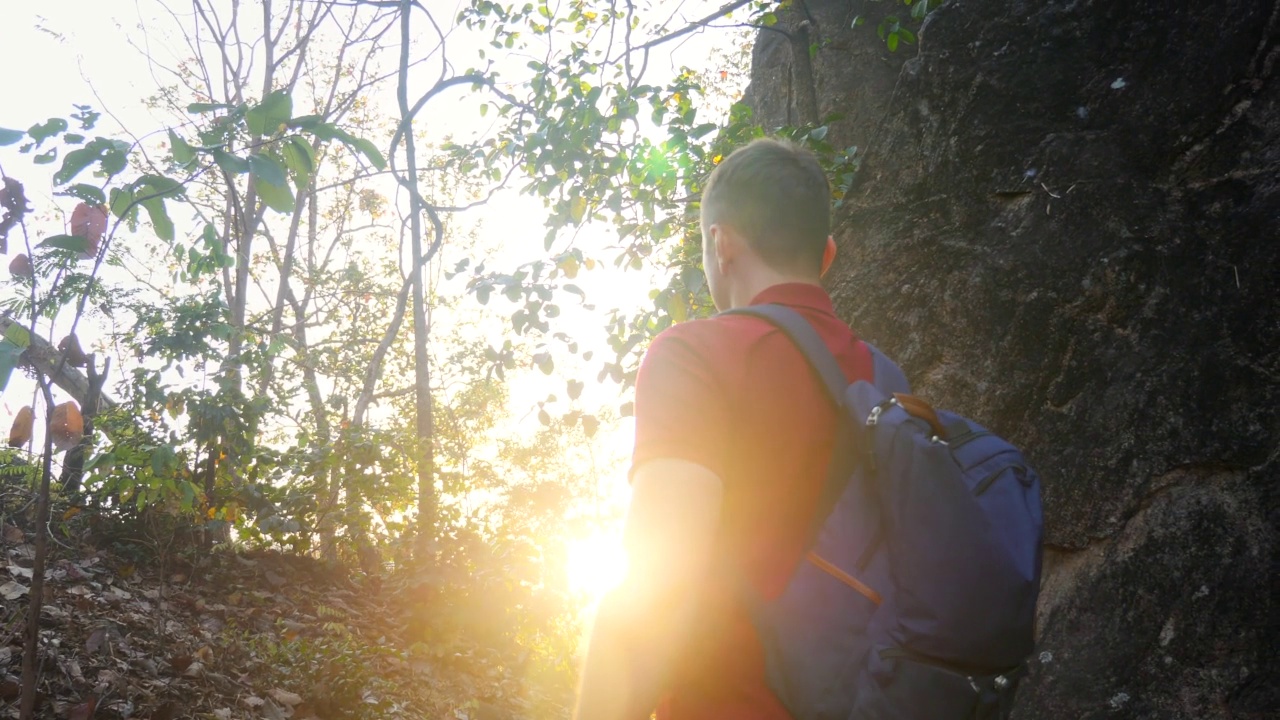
(752, 285)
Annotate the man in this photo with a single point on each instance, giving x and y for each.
(733, 435)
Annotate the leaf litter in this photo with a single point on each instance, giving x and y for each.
(163, 638)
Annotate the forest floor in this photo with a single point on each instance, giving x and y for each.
(133, 629)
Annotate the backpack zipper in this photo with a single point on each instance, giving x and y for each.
(965, 438)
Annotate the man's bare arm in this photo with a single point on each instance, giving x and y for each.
(641, 627)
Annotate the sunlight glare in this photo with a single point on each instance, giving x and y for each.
(596, 564)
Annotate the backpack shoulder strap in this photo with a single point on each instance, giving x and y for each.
(824, 364)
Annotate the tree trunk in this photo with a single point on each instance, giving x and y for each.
(425, 424)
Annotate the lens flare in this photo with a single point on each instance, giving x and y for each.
(595, 564)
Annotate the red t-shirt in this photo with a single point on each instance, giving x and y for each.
(733, 394)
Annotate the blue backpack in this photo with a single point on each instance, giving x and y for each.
(917, 599)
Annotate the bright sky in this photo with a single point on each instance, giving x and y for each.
(61, 53)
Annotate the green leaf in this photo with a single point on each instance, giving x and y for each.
(768, 19)
(370, 151)
(122, 202)
(892, 42)
(75, 162)
(75, 244)
(43, 131)
(46, 157)
(10, 354)
(18, 335)
(266, 117)
(163, 459)
(578, 209)
(329, 131)
(300, 158)
(230, 163)
(818, 133)
(183, 153)
(87, 193)
(207, 107)
(73, 138)
(267, 169)
(159, 218)
(276, 197)
(9, 137)
(306, 122)
(159, 186)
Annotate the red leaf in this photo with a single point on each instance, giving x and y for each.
(89, 222)
(180, 663)
(20, 266)
(20, 432)
(84, 710)
(66, 425)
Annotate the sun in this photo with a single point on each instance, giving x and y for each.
(595, 564)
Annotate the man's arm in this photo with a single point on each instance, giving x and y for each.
(642, 626)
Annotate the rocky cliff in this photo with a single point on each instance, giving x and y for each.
(1067, 225)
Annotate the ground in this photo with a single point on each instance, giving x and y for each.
(133, 627)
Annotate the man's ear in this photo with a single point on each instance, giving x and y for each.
(727, 244)
(828, 255)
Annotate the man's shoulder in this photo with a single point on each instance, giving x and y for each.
(715, 333)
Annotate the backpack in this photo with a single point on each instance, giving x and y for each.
(917, 599)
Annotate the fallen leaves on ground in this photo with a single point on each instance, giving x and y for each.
(208, 635)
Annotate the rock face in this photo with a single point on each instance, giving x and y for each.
(1067, 225)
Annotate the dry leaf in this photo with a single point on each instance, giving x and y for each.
(20, 266)
(195, 669)
(71, 512)
(9, 690)
(19, 571)
(180, 663)
(13, 534)
(253, 701)
(12, 590)
(204, 654)
(84, 710)
(167, 711)
(66, 425)
(96, 640)
(222, 713)
(20, 432)
(89, 222)
(75, 354)
(285, 697)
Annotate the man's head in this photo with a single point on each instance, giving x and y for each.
(766, 210)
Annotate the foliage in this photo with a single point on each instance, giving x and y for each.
(255, 261)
